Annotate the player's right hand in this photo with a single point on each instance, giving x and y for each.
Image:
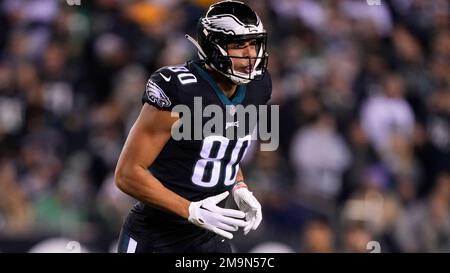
(206, 214)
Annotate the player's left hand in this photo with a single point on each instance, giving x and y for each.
(247, 203)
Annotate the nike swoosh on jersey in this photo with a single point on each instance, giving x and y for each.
(167, 79)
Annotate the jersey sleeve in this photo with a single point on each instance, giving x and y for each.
(161, 90)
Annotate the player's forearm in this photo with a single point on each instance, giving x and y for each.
(239, 176)
(143, 186)
(239, 181)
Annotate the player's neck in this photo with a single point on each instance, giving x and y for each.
(227, 86)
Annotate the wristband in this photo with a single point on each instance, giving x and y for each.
(240, 184)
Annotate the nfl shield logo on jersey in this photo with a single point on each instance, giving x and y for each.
(231, 109)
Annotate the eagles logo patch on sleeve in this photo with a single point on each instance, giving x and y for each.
(156, 95)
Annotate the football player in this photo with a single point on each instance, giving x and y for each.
(182, 185)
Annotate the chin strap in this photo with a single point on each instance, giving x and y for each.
(201, 53)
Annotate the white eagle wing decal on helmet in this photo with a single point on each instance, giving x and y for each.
(229, 24)
(156, 95)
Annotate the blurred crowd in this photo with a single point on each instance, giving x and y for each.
(364, 99)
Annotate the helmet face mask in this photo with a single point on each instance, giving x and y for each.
(231, 22)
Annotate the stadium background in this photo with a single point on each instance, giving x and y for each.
(364, 101)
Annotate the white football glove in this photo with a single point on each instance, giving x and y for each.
(247, 203)
(206, 214)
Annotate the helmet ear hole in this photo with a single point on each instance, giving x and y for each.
(226, 22)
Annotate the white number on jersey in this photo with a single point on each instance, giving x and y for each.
(185, 77)
(212, 164)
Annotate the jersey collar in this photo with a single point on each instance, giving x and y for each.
(240, 92)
